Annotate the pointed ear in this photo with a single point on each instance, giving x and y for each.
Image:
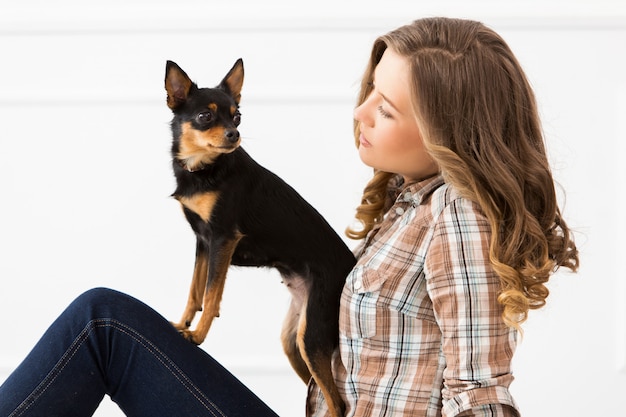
(233, 81)
(177, 85)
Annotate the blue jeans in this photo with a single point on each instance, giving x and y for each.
(107, 342)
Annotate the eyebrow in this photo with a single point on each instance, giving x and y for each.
(390, 102)
(384, 96)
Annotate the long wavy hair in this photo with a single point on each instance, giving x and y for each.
(478, 118)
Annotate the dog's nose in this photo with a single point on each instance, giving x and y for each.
(231, 135)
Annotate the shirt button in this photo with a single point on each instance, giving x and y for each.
(399, 211)
(358, 285)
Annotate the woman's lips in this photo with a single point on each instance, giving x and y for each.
(363, 141)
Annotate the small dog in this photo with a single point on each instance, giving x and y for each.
(243, 214)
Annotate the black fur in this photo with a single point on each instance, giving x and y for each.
(272, 225)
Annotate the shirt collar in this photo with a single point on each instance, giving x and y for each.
(415, 192)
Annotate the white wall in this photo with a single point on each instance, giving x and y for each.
(85, 174)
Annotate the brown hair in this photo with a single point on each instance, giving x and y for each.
(479, 121)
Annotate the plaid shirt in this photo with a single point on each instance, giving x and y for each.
(421, 332)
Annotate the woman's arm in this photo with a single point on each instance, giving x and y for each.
(477, 345)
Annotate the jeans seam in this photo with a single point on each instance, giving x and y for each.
(170, 365)
(54, 372)
(130, 332)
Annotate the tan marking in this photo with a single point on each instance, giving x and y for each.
(213, 292)
(321, 370)
(201, 204)
(234, 80)
(199, 148)
(233, 110)
(213, 107)
(196, 292)
(289, 336)
(177, 85)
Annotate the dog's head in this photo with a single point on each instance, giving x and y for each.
(205, 119)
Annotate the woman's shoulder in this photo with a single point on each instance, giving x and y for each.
(448, 199)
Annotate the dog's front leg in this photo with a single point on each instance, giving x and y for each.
(198, 285)
(220, 257)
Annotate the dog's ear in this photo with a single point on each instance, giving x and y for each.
(177, 85)
(233, 81)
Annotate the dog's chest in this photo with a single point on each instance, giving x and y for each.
(201, 203)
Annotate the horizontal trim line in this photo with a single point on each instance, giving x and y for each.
(102, 99)
(139, 24)
(252, 364)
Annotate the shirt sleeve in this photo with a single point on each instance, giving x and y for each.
(476, 344)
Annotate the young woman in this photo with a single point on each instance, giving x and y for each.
(460, 232)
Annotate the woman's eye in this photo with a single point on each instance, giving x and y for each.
(383, 112)
(237, 119)
(204, 117)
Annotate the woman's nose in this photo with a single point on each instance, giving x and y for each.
(361, 114)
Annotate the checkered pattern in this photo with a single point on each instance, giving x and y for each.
(420, 326)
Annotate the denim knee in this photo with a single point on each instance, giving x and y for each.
(99, 303)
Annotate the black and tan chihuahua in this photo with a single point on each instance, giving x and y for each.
(243, 214)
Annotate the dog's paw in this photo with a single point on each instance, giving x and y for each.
(181, 325)
(191, 336)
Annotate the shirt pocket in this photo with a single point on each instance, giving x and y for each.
(360, 303)
(413, 301)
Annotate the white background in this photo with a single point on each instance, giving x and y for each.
(85, 173)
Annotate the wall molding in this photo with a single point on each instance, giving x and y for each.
(32, 18)
(106, 98)
(73, 17)
(250, 365)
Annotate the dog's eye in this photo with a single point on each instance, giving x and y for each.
(204, 117)
(237, 119)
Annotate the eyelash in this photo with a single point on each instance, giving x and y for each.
(383, 113)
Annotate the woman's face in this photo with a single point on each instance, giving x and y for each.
(389, 136)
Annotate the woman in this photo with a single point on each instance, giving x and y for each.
(461, 225)
(461, 230)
